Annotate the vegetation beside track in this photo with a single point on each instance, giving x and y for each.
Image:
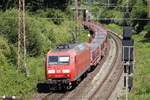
(116, 12)
(43, 34)
(141, 84)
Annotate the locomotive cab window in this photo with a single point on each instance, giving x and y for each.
(52, 60)
(64, 60)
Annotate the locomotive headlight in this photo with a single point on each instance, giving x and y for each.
(66, 71)
(51, 71)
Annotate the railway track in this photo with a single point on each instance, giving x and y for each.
(103, 88)
(106, 88)
(81, 86)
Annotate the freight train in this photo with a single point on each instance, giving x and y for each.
(66, 64)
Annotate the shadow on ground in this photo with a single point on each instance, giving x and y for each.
(45, 88)
(42, 88)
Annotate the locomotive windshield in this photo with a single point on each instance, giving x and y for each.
(64, 60)
(53, 60)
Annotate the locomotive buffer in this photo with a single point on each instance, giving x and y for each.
(128, 57)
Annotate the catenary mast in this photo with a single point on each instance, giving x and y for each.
(22, 37)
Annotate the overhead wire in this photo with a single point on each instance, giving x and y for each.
(120, 6)
(110, 5)
(68, 18)
(33, 17)
(142, 19)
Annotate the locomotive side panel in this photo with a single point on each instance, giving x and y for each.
(82, 62)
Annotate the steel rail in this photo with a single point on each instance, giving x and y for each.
(110, 70)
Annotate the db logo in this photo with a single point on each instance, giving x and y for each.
(58, 71)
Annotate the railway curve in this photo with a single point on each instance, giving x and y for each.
(105, 76)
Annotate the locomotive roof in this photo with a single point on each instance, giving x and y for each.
(78, 47)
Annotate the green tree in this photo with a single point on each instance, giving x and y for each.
(57, 4)
(7, 4)
(147, 28)
(34, 5)
(140, 12)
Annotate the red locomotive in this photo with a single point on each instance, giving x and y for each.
(68, 62)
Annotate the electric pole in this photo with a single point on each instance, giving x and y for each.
(76, 16)
(89, 3)
(108, 3)
(126, 14)
(22, 37)
(127, 76)
(81, 10)
(76, 11)
(127, 8)
(148, 4)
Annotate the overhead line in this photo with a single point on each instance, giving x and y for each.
(33, 17)
(66, 18)
(121, 6)
(148, 4)
(124, 18)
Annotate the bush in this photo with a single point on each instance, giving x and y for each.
(117, 17)
(139, 12)
(111, 16)
(17, 83)
(41, 36)
(7, 52)
(56, 16)
(9, 25)
(108, 14)
(147, 28)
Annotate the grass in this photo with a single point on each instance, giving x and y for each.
(115, 28)
(42, 36)
(141, 83)
(141, 89)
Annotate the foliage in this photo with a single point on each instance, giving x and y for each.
(141, 85)
(56, 4)
(9, 25)
(95, 10)
(69, 12)
(7, 4)
(7, 52)
(34, 5)
(147, 28)
(114, 1)
(4, 51)
(56, 16)
(17, 83)
(115, 28)
(42, 35)
(106, 14)
(111, 16)
(139, 12)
